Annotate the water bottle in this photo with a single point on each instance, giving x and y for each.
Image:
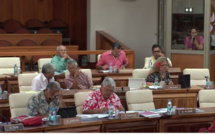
(156, 82)
(111, 67)
(207, 82)
(15, 70)
(0, 92)
(110, 111)
(150, 63)
(169, 107)
(52, 116)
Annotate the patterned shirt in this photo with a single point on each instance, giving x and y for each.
(40, 82)
(96, 101)
(37, 104)
(83, 80)
(107, 57)
(151, 77)
(59, 63)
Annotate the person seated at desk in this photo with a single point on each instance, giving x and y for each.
(98, 101)
(157, 52)
(38, 105)
(115, 55)
(41, 80)
(159, 70)
(61, 59)
(77, 79)
(194, 41)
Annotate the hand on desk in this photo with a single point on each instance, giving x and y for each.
(105, 67)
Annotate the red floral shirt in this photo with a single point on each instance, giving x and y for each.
(96, 101)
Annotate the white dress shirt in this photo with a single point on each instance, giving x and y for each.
(40, 82)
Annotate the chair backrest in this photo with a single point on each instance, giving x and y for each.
(5, 43)
(45, 30)
(2, 31)
(25, 81)
(87, 71)
(18, 103)
(27, 42)
(140, 73)
(57, 23)
(11, 25)
(80, 98)
(197, 75)
(206, 98)
(51, 42)
(41, 62)
(7, 64)
(34, 23)
(22, 31)
(140, 100)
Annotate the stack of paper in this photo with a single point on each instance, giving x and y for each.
(150, 114)
(91, 116)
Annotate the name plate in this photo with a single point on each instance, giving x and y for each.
(13, 127)
(185, 111)
(173, 87)
(74, 120)
(128, 115)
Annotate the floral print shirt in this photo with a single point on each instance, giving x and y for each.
(37, 104)
(96, 101)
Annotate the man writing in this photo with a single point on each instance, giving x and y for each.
(98, 101)
(39, 104)
(115, 55)
(61, 59)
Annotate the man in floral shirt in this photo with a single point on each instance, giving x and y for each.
(99, 100)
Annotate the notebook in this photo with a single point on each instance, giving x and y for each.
(67, 112)
(184, 80)
(135, 83)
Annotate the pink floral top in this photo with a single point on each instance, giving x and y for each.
(96, 101)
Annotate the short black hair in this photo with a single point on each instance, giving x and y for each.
(194, 27)
(117, 45)
(155, 46)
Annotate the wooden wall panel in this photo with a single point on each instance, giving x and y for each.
(187, 61)
(212, 67)
(73, 12)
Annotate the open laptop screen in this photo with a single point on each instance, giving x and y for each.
(184, 80)
(67, 112)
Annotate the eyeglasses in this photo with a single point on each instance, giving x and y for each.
(165, 65)
(156, 51)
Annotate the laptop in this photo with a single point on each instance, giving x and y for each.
(184, 80)
(67, 112)
(135, 83)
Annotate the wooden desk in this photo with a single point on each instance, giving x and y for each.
(4, 110)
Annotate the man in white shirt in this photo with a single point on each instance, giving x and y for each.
(157, 52)
(41, 80)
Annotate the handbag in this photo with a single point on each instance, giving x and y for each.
(28, 120)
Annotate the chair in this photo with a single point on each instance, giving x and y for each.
(87, 71)
(80, 98)
(34, 23)
(140, 100)
(45, 30)
(11, 25)
(51, 42)
(5, 43)
(140, 73)
(41, 62)
(57, 23)
(25, 81)
(22, 31)
(197, 75)
(18, 103)
(206, 98)
(2, 31)
(7, 64)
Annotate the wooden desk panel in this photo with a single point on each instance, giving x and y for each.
(38, 38)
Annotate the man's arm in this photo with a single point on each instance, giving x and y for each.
(35, 86)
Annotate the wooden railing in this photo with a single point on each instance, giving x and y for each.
(104, 41)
